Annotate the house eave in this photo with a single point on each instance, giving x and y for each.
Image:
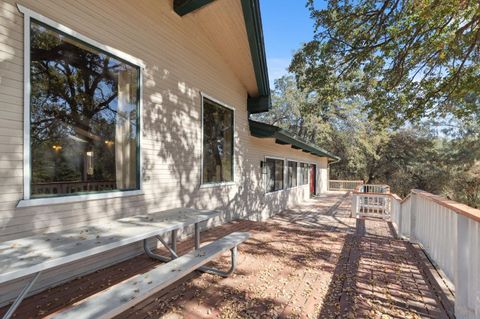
(261, 101)
(263, 130)
(253, 24)
(183, 7)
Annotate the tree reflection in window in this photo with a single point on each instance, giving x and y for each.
(217, 143)
(292, 174)
(84, 117)
(274, 174)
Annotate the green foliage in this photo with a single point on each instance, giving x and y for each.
(414, 156)
(406, 59)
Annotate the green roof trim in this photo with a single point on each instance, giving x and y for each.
(263, 130)
(183, 7)
(253, 23)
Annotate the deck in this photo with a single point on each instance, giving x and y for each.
(310, 262)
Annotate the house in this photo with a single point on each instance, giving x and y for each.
(114, 108)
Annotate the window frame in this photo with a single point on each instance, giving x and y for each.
(204, 96)
(286, 167)
(307, 169)
(27, 200)
(284, 176)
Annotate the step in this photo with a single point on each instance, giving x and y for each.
(124, 295)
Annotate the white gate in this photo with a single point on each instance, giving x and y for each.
(372, 201)
(372, 205)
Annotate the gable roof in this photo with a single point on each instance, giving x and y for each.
(281, 136)
(258, 100)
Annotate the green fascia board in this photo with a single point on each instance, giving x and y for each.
(253, 24)
(183, 7)
(263, 130)
(259, 129)
(258, 104)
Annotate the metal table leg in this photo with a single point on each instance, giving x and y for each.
(197, 236)
(21, 296)
(151, 254)
(173, 241)
(173, 253)
(215, 271)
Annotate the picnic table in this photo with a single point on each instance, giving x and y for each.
(31, 256)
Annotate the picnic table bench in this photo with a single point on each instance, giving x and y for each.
(31, 255)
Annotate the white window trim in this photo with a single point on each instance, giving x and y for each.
(27, 201)
(286, 166)
(76, 198)
(217, 184)
(308, 172)
(284, 176)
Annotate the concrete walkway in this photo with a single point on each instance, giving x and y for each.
(310, 262)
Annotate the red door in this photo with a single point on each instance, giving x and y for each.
(313, 179)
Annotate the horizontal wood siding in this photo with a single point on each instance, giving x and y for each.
(181, 62)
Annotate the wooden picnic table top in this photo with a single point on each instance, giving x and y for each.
(29, 255)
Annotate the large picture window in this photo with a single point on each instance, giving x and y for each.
(84, 117)
(274, 177)
(217, 143)
(292, 174)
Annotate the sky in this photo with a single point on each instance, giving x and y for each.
(286, 26)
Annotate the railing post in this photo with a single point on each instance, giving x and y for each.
(399, 210)
(465, 269)
(354, 205)
(387, 208)
(413, 217)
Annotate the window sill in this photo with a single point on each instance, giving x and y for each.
(75, 198)
(217, 185)
(277, 191)
(285, 189)
(298, 186)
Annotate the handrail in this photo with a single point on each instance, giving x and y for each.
(448, 231)
(457, 207)
(343, 185)
(372, 189)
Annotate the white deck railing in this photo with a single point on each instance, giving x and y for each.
(371, 200)
(373, 188)
(343, 185)
(448, 231)
(371, 205)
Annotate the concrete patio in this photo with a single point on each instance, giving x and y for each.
(310, 262)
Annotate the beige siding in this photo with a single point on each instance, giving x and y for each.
(181, 62)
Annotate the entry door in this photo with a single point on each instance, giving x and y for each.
(313, 179)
